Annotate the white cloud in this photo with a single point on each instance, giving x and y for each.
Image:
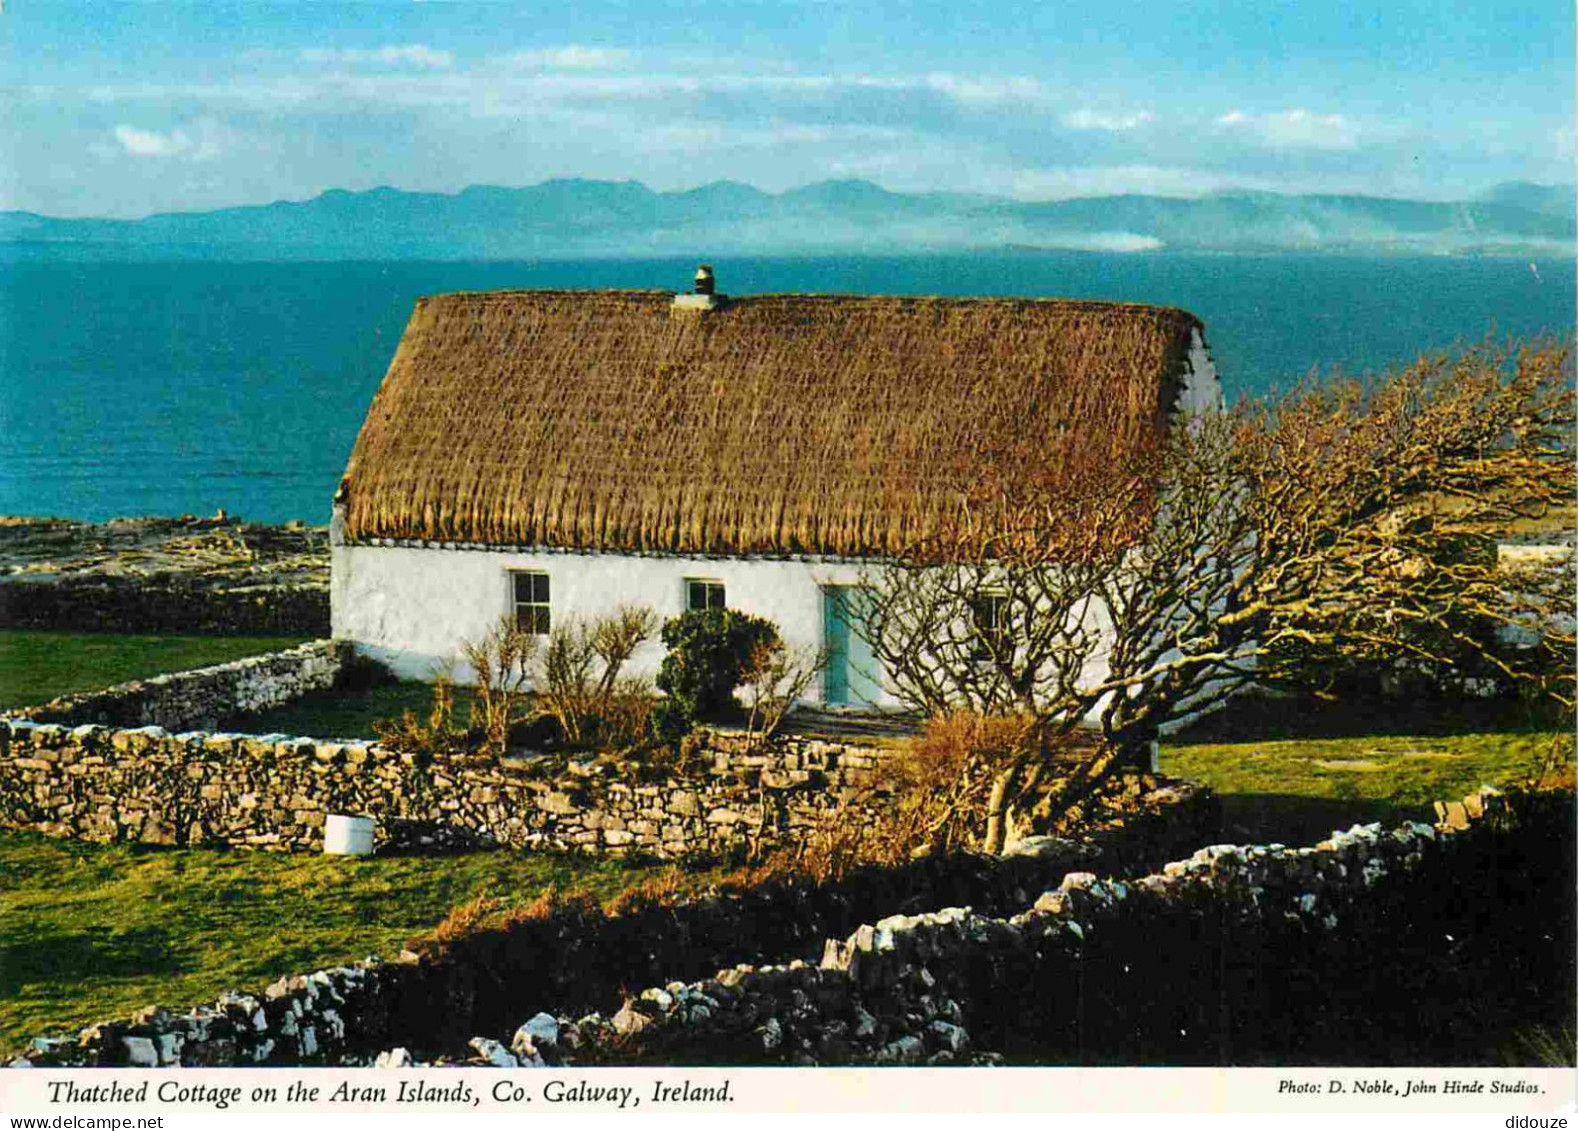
(1086, 119)
(574, 57)
(151, 143)
(405, 55)
(973, 90)
(1294, 129)
(626, 113)
(201, 140)
(703, 137)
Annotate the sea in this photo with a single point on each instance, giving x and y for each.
(186, 387)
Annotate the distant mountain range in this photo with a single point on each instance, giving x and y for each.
(582, 219)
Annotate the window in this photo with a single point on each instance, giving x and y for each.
(531, 602)
(703, 594)
(989, 614)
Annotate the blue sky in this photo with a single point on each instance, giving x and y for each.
(117, 108)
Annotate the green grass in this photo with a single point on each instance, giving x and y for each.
(95, 932)
(36, 667)
(339, 713)
(1297, 791)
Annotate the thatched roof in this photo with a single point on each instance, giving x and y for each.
(778, 424)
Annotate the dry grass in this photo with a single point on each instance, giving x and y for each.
(464, 919)
(662, 889)
(647, 890)
(779, 424)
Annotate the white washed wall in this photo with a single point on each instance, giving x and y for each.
(412, 606)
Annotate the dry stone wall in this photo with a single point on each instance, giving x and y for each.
(215, 575)
(920, 989)
(432, 1000)
(174, 605)
(156, 786)
(191, 700)
(584, 960)
(1235, 955)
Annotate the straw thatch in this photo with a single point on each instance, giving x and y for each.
(778, 424)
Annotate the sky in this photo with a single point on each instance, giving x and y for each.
(121, 108)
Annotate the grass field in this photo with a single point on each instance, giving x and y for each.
(92, 932)
(348, 714)
(35, 667)
(1297, 791)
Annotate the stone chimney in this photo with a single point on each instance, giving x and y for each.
(704, 295)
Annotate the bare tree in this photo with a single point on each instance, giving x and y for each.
(776, 678)
(1345, 520)
(1383, 509)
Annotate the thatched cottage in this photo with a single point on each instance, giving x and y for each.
(556, 454)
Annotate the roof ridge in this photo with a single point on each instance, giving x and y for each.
(820, 296)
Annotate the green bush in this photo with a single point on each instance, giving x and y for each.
(668, 720)
(710, 653)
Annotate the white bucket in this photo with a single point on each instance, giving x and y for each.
(348, 836)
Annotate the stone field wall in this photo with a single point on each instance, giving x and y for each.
(216, 575)
(917, 989)
(180, 701)
(1090, 960)
(1182, 966)
(583, 958)
(172, 605)
(140, 763)
(155, 786)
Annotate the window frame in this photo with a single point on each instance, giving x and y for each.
(541, 620)
(709, 584)
(989, 639)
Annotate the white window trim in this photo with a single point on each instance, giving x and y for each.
(515, 604)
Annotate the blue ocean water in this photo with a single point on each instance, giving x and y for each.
(182, 387)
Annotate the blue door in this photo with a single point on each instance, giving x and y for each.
(851, 679)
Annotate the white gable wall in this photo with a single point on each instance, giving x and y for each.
(1202, 388)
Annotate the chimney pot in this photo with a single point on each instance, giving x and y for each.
(702, 297)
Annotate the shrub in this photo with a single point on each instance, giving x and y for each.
(668, 720)
(831, 849)
(498, 664)
(937, 791)
(580, 685)
(709, 654)
(775, 679)
(942, 780)
(684, 756)
(979, 782)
